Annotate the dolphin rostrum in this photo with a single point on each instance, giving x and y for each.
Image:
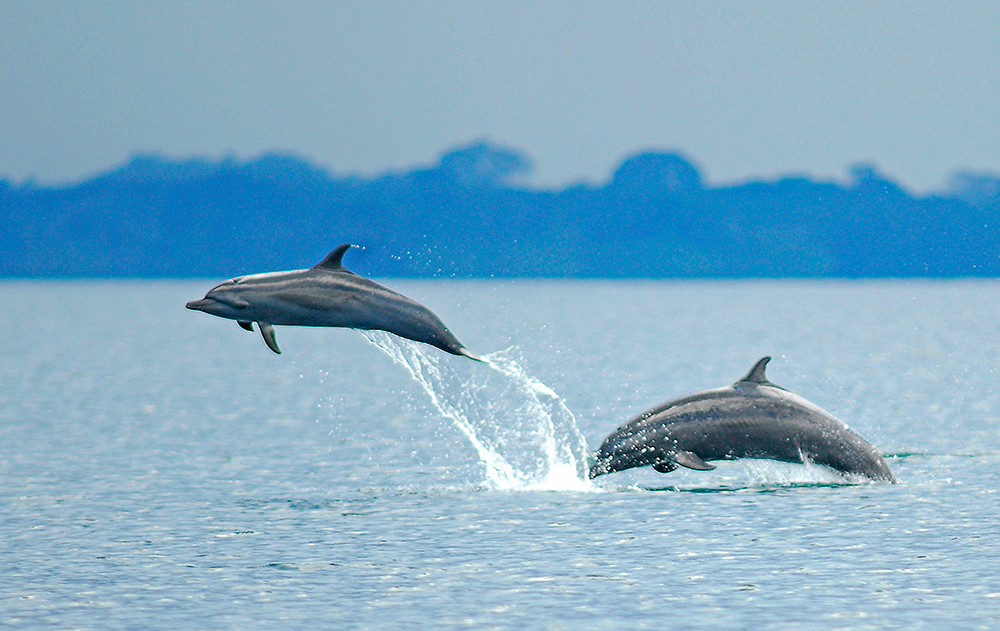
(326, 294)
(753, 418)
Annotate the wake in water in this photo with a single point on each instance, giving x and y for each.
(523, 432)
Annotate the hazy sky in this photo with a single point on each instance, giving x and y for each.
(746, 89)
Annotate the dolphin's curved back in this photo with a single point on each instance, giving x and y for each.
(753, 418)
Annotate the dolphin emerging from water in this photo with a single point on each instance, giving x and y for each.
(753, 418)
(325, 295)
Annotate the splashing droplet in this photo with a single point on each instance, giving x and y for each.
(525, 435)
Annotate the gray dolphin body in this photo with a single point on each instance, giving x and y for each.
(325, 295)
(753, 418)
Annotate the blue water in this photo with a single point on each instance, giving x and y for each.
(161, 468)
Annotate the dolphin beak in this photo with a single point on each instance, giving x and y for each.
(599, 467)
(200, 305)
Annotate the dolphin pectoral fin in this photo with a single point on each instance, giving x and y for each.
(691, 460)
(664, 466)
(267, 332)
(246, 326)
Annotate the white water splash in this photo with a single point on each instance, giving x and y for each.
(765, 473)
(525, 436)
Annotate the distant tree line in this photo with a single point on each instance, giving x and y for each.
(468, 216)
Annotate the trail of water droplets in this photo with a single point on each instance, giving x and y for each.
(524, 434)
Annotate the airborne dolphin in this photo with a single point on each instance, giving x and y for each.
(753, 418)
(325, 295)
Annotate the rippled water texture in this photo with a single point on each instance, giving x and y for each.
(161, 468)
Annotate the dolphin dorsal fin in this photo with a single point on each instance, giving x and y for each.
(756, 374)
(332, 262)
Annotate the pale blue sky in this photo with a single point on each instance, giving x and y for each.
(746, 89)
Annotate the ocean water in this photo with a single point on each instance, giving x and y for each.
(162, 469)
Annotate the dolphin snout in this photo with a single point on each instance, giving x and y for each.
(601, 462)
(599, 468)
(200, 305)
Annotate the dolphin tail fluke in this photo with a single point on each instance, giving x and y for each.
(463, 351)
(267, 332)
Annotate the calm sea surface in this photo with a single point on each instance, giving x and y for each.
(162, 469)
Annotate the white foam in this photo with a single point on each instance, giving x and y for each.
(774, 473)
(523, 432)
